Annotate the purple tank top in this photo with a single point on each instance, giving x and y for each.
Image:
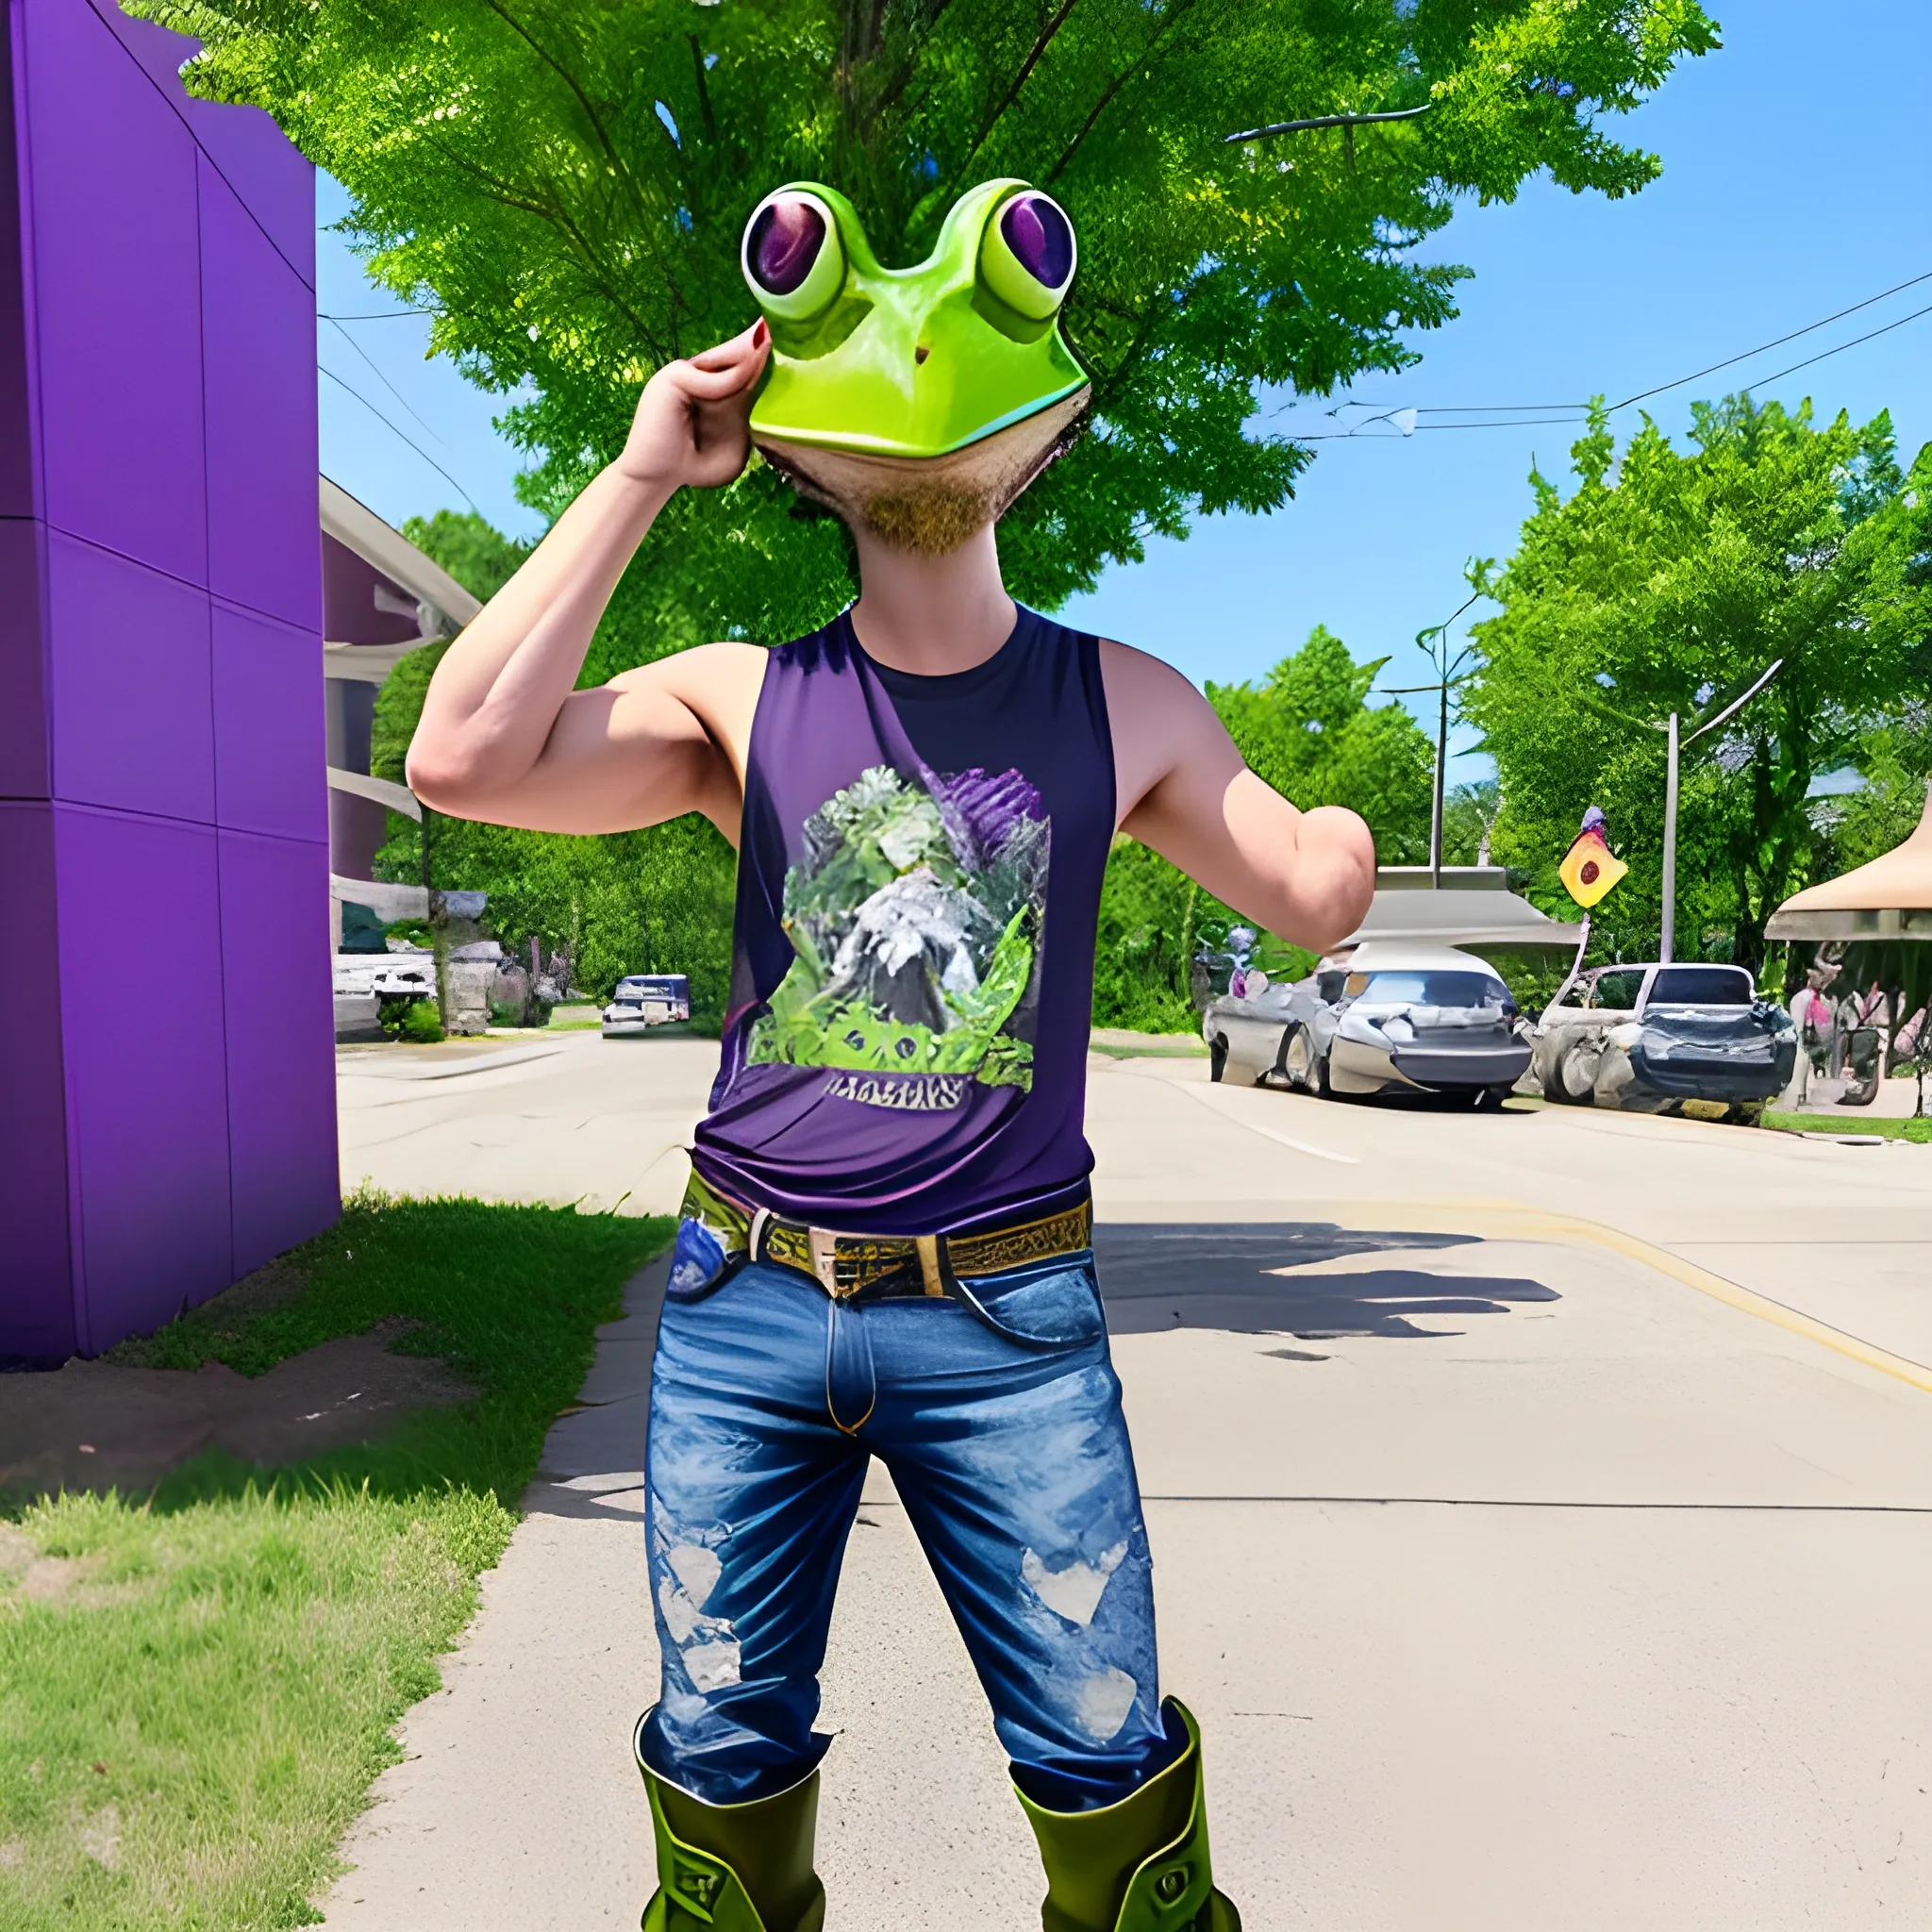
(913, 971)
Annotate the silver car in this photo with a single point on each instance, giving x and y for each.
(1392, 1018)
(1658, 1038)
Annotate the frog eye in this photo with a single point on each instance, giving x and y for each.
(1027, 256)
(792, 258)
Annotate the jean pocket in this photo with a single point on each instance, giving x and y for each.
(700, 1263)
(1055, 1307)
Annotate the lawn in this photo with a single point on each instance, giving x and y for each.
(1850, 1123)
(197, 1685)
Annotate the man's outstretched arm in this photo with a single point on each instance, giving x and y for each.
(506, 736)
(1306, 875)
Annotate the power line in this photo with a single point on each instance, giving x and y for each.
(380, 315)
(395, 431)
(381, 377)
(1779, 342)
(1851, 345)
(1643, 395)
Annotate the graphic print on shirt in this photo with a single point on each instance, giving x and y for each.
(915, 916)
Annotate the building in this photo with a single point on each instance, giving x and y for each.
(381, 599)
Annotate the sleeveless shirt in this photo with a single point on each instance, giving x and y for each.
(913, 975)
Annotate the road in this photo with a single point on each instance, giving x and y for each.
(1542, 1505)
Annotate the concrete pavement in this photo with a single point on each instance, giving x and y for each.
(1520, 1581)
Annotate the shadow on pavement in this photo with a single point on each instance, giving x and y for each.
(1217, 1274)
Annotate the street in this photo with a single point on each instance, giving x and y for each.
(1541, 1507)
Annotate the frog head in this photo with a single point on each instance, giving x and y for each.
(916, 401)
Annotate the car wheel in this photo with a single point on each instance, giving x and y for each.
(1570, 1080)
(1298, 1060)
(1577, 1071)
(1217, 1057)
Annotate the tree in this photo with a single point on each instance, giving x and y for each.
(1469, 822)
(565, 186)
(1668, 581)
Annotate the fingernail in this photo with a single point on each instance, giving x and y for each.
(760, 334)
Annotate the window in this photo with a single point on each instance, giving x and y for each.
(1431, 988)
(1618, 990)
(1700, 986)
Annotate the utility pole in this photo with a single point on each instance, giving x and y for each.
(1441, 775)
(1666, 952)
(1436, 642)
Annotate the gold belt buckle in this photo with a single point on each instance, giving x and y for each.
(823, 1247)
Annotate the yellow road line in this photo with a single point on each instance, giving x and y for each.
(1511, 1218)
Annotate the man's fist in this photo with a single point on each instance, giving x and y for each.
(691, 421)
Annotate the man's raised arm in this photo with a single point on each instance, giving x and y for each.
(504, 736)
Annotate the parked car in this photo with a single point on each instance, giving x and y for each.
(1650, 1038)
(644, 1000)
(1392, 1018)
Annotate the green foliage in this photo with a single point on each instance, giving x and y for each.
(1469, 821)
(470, 548)
(1895, 761)
(415, 1022)
(567, 185)
(1668, 581)
(190, 1718)
(1150, 928)
(1310, 732)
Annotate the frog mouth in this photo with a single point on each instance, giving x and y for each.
(930, 505)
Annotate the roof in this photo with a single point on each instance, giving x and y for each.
(1890, 898)
(1458, 917)
(392, 553)
(1399, 956)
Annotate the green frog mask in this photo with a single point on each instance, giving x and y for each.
(919, 402)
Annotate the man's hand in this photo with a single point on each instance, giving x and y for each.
(692, 422)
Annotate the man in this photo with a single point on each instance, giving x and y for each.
(886, 1245)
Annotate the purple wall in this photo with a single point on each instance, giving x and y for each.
(167, 1081)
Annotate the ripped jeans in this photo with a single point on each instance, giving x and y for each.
(1005, 1439)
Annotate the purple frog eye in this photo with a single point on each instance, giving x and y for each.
(1027, 254)
(1041, 238)
(786, 236)
(792, 258)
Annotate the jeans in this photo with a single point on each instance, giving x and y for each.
(1000, 1425)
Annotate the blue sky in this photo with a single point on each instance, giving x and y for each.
(1797, 180)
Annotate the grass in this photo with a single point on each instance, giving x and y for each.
(196, 1686)
(1920, 1131)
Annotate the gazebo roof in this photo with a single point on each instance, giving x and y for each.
(1890, 898)
(1473, 908)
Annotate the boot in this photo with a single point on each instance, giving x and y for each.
(1137, 1866)
(734, 1868)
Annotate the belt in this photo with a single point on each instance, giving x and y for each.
(849, 1265)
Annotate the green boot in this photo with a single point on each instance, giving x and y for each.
(1137, 1866)
(734, 1868)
